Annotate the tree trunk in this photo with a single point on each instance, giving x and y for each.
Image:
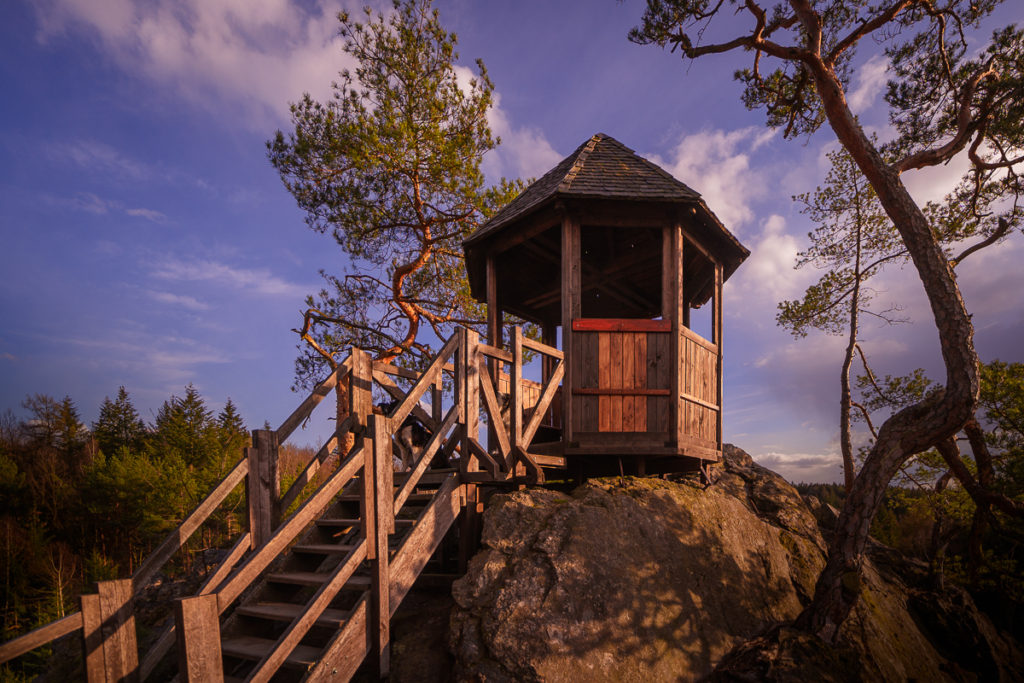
(917, 427)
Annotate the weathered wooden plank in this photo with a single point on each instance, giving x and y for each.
(620, 325)
(347, 649)
(570, 312)
(384, 506)
(604, 380)
(546, 349)
(415, 551)
(92, 638)
(615, 340)
(699, 340)
(545, 400)
(311, 612)
(674, 281)
(700, 402)
(516, 393)
(590, 378)
(470, 398)
(312, 401)
(177, 538)
(628, 356)
(419, 411)
(120, 650)
(313, 507)
(40, 636)
(640, 382)
(719, 386)
(197, 623)
(263, 486)
(494, 352)
(608, 391)
(534, 473)
(497, 424)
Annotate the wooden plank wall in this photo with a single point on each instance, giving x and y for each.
(699, 388)
(624, 383)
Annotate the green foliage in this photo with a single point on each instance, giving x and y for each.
(390, 167)
(77, 507)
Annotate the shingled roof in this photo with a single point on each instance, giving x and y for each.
(603, 168)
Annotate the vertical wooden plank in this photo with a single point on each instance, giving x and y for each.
(516, 393)
(197, 627)
(263, 486)
(628, 356)
(615, 380)
(471, 398)
(362, 376)
(380, 624)
(719, 384)
(590, 378)
(640, 381)
(120, 651)
(361, 387)
(675, 354)
(570, 312)
(604, 379)
(92, 638)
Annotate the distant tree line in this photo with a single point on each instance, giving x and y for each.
(83, 503)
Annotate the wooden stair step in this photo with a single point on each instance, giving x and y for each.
(325, 548)
(316, 579)
(356, 522)
(351, 497)
(251, 647)
(286, 611)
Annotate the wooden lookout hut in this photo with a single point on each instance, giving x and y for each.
(616, 253)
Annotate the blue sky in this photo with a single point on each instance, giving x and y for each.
(147, 241)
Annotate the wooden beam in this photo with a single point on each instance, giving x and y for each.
(197, 623)
(717, 334)
(380, 612)
(40, 636)
(263, 489)
(516, 393)
(674, 281)
(621, 325)
(625, 391)
(570, 311)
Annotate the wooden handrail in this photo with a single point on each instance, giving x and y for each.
(287, 532)
(40, 636)
(176, 539)
(426, 456)
(320, 391)
(699, 340)
(428, 377)
(620, 325)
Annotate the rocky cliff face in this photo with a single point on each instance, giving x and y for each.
(645, 579)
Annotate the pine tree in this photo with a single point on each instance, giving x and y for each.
(119, 427)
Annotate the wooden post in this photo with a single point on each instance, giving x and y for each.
(547, 363)
(495, 332)
(716, 334)
(516, 393)
(197, 625)
(263, 486)
(673, 306)
(108, 634)
(468, 396)
(385, 521)
(360, 387)
(570, 311)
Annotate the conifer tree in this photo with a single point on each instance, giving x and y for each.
(119, 426)
(390, 167)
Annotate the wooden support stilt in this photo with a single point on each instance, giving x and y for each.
(263, 486)
(108, 635)
(197, 625)
(380, 610)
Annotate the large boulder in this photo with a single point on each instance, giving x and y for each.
(630, 579)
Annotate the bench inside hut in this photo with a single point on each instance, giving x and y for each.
(621, 266)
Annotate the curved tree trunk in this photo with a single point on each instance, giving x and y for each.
(917, 427)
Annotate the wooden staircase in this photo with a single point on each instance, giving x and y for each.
(310, 596)
(327, 571)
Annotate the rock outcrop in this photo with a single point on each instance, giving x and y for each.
(646, 579)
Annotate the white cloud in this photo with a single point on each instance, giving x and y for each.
(523, 152)
(257, 281)
(255, 56)
(716, 164)
(189, 302)
(99, 157)
(803, 467)
(869, 82)
(94, 204)
(768, 275)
